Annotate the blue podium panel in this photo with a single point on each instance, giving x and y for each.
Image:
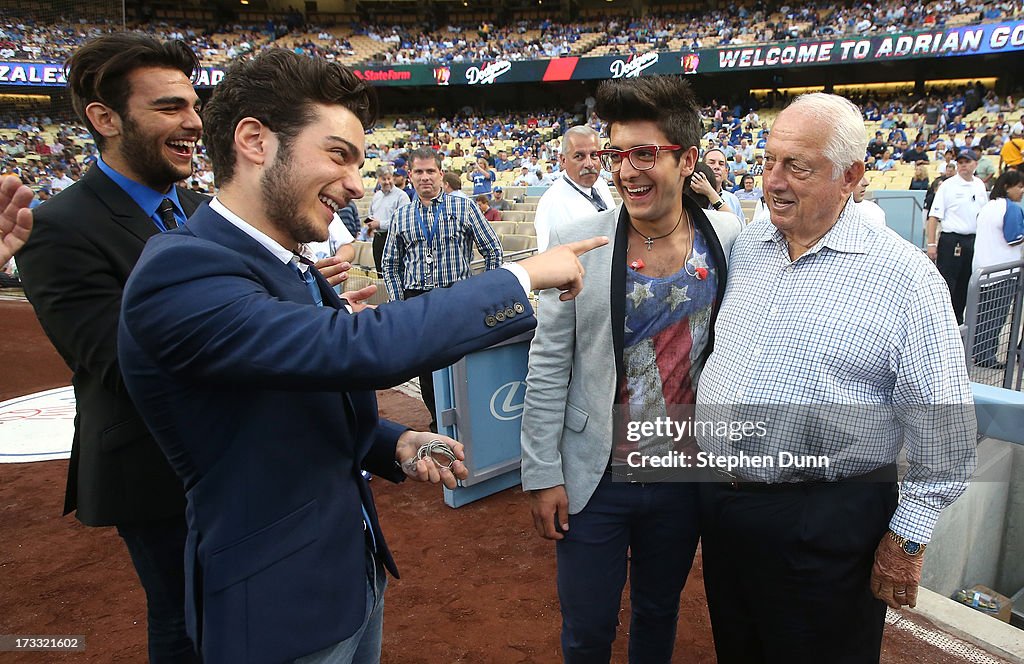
(480, 401)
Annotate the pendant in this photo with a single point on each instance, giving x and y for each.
(649, 241)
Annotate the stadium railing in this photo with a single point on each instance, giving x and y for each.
(992, 325)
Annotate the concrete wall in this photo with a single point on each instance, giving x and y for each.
(903, 212)
(1011, 567)
(979, 539)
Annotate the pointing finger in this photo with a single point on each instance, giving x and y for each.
(581, 247)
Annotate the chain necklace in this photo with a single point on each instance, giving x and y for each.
(649, 240)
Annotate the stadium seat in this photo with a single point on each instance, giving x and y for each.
(504, 227)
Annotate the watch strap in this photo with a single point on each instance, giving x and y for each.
(909, 547)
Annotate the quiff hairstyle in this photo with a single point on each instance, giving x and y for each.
(98, 71)
(667, 101)
(280, 89)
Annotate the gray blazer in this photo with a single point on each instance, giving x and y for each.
(576, 356)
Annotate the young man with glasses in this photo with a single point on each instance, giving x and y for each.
(635, 342)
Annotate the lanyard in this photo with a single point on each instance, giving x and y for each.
(582, 193)
(428, 236)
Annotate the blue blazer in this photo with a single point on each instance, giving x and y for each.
(264, 406)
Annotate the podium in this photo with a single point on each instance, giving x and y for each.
(479, 402)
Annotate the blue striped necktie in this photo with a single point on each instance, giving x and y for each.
(310, 281)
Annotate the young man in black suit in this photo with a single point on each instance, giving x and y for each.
(135, 95)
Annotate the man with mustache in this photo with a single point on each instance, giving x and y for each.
(580, 192)
(136, 97)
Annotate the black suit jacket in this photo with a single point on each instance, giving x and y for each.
(84, 244)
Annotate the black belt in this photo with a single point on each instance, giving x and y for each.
(729, 481)
(958, 234)
(416, 292)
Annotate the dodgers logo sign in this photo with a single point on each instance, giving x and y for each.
(634, 66)
(488, 73)
(508, 401)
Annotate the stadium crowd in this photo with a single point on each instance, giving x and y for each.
(48, 153)
(24, 36)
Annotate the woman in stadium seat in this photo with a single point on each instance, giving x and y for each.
(920, 181)
(999, 238)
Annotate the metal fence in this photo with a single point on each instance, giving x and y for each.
(992, 325)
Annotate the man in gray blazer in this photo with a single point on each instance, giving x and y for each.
(635, 341)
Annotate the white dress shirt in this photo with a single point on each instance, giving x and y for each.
(383, 206)
(871, 212)
(564, 201)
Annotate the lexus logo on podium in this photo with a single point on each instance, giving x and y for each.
(508, 401)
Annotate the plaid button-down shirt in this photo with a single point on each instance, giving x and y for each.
(459, 223)
(855, 346)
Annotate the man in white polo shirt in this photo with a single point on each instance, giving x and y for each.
(956, 205)
(581, 192)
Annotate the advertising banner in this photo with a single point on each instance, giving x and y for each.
(14, 72)
(982, 39)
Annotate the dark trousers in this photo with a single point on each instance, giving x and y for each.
(157, 550)
(787, 572)
(380, 238)
(956, 270)
(649, 528)
(426, 379)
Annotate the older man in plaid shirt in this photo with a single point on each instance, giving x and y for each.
(839, 336)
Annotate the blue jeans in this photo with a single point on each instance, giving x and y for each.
(364, 646)
(157, 549)
(653, 528)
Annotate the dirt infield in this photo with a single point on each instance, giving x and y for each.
(477, 585)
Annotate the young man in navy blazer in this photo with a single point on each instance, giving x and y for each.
(257, 380)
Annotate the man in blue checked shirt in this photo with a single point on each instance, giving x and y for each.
(430, 244)
(840, 337)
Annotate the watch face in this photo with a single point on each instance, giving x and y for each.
(911, 548)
